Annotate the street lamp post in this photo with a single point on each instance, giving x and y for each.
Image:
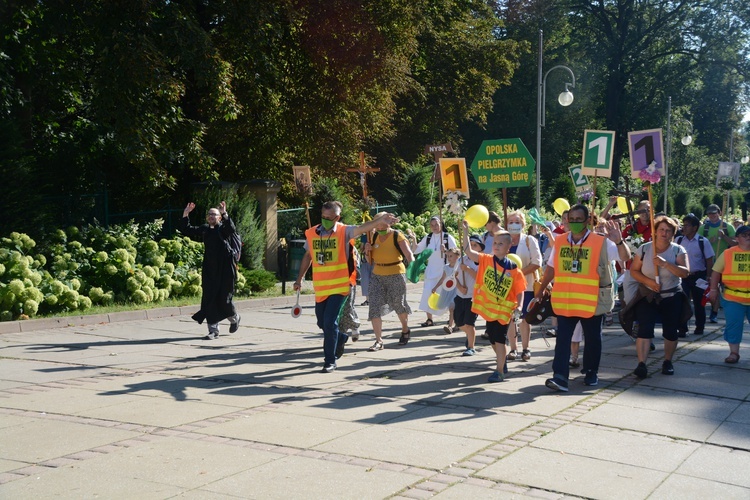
(565, 99)
(686, 140)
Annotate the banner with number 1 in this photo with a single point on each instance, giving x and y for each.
(646, 152)
(453, 175)
(598, 151)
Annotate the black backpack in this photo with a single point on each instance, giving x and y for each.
(234, 246)
(701, 239)
(396, 232)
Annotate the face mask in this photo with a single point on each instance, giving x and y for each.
(576, 227)
(382, 232)
(515, 227)
(327, 224)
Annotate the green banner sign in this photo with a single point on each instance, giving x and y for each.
(503, 163)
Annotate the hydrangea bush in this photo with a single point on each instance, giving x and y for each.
(78, 268)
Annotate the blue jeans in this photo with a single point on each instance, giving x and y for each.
(592, 353)
(327, 314)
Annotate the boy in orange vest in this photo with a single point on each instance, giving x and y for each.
(498, 292)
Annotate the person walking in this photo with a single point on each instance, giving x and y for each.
(219, 272)
(527, 249)
(439, 241)
(733, 272)
(498, 292)
(327, 249)
(580, 268)
(466, 278)
(700, 257)
(721, 235)
(670, 265)
(389, 253)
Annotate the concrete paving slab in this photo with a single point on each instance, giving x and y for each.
(42, 372)
(574, 475)
(72, 482)
(201, 494)
(719, 464)
(348, 408)
(178, 461)
(741, 414)
(435, 417)
(282, 429)
(670, 401)
(9, 421)
(8, 465)
(463, 491)
(66, 400)
(680, 486)
(653, 421)
(464, 422)
(732, 434)
(405, 446)
(158, 411)
(150, 384)
(702, 379)
(242, 396)
(301, 477)
(40, 440)
(619, 447)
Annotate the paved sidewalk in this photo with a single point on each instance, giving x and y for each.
(143, 408)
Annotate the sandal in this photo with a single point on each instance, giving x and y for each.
(574, 362)
(447, 330)
(429, 322)
(377, 346)
(511, 356)
(732, 358)
(404, 338)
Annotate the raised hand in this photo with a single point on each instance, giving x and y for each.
(189, 208)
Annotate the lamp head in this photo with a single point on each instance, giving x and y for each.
(687, 140)
(565, 98)
(745, 159)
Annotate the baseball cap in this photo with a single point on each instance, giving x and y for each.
(477, 239)
(742, 230)
(712, 209)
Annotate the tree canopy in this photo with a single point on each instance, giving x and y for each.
(128, 102)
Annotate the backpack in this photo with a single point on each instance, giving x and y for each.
(706, 225)
(396, 232)
(701, 239)
(234, 246)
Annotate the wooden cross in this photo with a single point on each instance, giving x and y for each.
(363, 170)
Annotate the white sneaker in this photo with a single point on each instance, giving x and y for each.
(355, 335)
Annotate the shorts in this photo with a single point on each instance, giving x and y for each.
(497, 332)
(462, 314)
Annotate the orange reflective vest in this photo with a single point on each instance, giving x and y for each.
(736, 275)
(329, 262)
(494, 299)
(575, 294)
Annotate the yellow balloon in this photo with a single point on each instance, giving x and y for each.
(477, 216)
(516, 259)
(432, 301)
(560, 205)
(622, 204)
